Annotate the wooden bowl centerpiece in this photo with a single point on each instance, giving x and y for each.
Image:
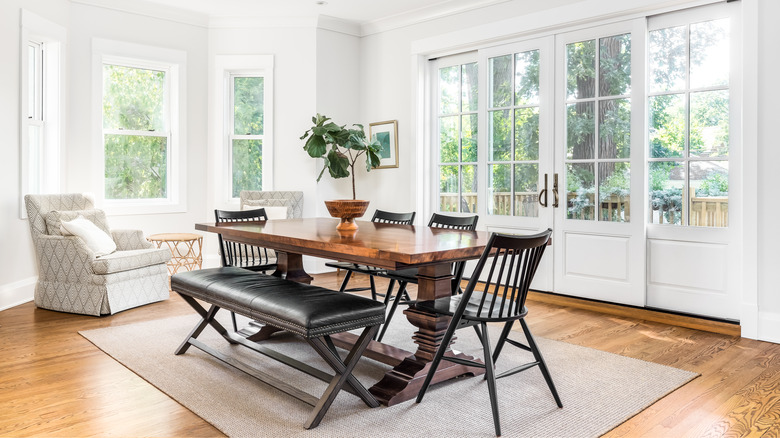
(347, 210)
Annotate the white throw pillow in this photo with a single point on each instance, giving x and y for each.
(271, 212)
(96, 239)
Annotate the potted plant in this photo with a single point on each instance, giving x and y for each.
(340, 148)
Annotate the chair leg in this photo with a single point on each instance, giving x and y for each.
(542, 365)
(373, 286)
(345, 281)
(491, 378)
(401, 291)
(445, 342)
(389, 292)
(233, 318)
(502, 340)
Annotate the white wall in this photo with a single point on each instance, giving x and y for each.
(768, 159)
(17, 263)
(295, 96)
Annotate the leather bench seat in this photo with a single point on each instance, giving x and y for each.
(309, 311)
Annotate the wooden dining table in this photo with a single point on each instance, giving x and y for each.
(390, 246)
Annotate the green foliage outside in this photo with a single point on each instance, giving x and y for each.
(248, 119)
(708, 115)
(136, 166)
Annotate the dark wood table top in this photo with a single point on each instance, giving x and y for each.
(383, 245)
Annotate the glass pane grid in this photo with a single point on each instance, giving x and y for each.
(598, 128)
(689, 115)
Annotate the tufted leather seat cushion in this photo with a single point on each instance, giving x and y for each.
(310, 311)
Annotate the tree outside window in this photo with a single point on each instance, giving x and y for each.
(135, 132)
(247, 133)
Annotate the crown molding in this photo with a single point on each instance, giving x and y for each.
(149, 9)
(424, 14)
(249, 22)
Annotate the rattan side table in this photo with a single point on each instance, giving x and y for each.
(186, 250)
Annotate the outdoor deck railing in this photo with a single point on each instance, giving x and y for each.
(705, 211)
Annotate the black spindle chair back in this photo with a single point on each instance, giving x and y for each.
(241, 255)
(513, 266)
(383, 217)
(406, 276)
(511, 262)
(388, 217)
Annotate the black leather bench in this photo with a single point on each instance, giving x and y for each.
(311, 312)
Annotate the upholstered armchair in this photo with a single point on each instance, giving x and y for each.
(72, 278)
(274, 201)
(278, 204)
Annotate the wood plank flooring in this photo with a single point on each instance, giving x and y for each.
(55, 383)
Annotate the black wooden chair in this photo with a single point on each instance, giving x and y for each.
(241, 255)
(514, 263)
(405, 277)
(380, 216)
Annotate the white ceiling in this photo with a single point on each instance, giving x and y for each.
(357, 11)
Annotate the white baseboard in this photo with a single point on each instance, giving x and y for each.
(769, 327)
(16, 293)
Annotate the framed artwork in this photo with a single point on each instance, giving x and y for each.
(387, 135)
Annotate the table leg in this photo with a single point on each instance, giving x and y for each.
(289, 266)
(403, 382)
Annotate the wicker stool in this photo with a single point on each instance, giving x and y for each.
(183, 249)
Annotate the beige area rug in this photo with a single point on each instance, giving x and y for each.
(599, 390)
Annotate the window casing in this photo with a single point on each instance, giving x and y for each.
(242, 139)
(41, 104)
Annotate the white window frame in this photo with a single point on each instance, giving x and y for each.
(225, 68)
(174, 63)
(46, 177)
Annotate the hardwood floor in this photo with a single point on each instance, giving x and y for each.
(53, 382)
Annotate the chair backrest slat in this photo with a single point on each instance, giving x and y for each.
(236, 253)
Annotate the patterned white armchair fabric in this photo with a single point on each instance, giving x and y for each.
(72, 279)
(260, 199)
(273, 199)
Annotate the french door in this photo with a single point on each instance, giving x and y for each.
(559, 124)
(622, 138)
(599, 150)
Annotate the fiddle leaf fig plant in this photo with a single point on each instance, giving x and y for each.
(340, 147)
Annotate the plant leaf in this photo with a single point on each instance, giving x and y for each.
(338, 164)
(315, 146)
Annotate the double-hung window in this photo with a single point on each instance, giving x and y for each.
(243, 136)
(136, 130)
(140, 135)
(247, 129)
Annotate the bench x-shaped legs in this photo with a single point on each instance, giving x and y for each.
(322, 345)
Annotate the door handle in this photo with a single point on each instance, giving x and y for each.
(543, 193)
(555, 190)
